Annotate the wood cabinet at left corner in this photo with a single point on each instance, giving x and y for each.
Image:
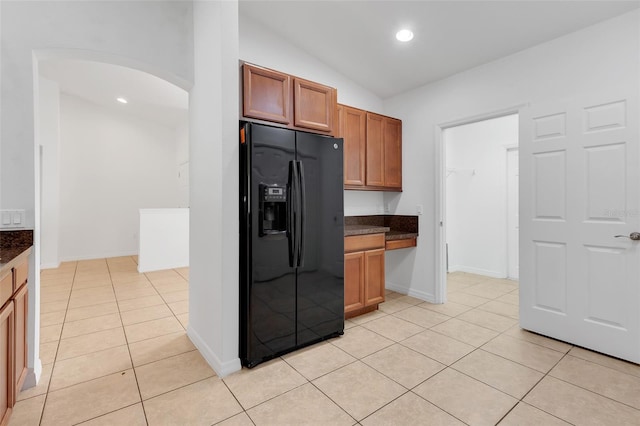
(294, 102)
(13, 336)
(7, 341)
(21, 303)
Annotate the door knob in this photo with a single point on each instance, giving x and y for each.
(635, 236)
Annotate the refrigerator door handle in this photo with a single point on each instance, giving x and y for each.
(291, 225)
(302, 212)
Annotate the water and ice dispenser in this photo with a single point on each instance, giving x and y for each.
(273, 210)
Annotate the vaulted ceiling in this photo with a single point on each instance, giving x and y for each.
(357, 38)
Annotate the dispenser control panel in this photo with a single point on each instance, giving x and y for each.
(273, 193)
(273, 211)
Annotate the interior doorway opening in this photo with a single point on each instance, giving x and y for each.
(112, 140)
(480, 206)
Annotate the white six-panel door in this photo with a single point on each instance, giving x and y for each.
(579, 188)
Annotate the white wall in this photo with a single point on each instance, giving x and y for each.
(151, 36)
(49, 110)
(182, 163)
(260, 46)
(214, 156)
(155, 37)
(111, 165)
(604, 55)
(476, 192)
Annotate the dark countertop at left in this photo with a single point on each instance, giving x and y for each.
(14, 246)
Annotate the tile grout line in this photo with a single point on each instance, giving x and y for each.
(144, 412)
(521, 400)
(239, 404)
(363, 325)
(586, 389)
(165, 302)
(55, 357)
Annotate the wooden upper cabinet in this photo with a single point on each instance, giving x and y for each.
(392, 153)
(292, 102)
(314, 105)
(352, 127)
(266, 94)
(375, 150)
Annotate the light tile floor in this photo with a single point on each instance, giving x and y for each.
(115, 352)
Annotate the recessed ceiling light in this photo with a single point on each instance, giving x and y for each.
(404, 35)
(122, 100)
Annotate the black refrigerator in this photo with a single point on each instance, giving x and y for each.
(291, 240)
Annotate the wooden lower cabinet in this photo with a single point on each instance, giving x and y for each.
(354, 273)
(373, 277)
(13, 335)
(21, 303)
(7, 389)
(363, 273)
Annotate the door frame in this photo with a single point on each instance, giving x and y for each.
(440, 170)
(510, 149)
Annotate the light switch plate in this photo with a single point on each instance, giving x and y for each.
(12, 219)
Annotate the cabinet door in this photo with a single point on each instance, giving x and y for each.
(353, 129)
(392, 153)
(373, 277)
(267, 94)
(7, 396)
(6, 287)
(21, 302)
(354, 276)
(314, 105)
(375, 150)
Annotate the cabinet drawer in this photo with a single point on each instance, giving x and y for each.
(6, 288)
(363, 242)
(20, 272)
(399, 244)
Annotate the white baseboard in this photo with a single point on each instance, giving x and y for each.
(222, 369)
(422, 295)
(477, 271)
(99, 256)
(33, 375)
(49, 265)
(158, 267)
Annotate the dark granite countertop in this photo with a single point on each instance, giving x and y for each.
(14, 245)
(400, 235)
(364, 229)
(395, 227)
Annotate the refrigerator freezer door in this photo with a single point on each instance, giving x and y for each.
(321, 274)
(268, 294)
